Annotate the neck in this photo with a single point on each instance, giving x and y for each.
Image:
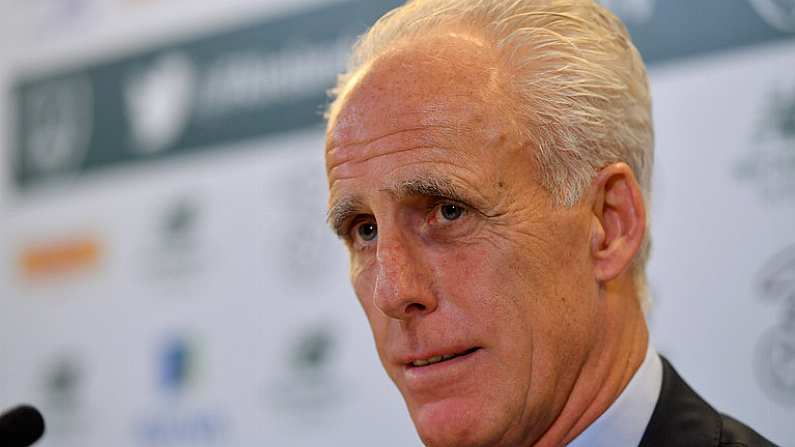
(618, 351)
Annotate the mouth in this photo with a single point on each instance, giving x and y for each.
(421, 363)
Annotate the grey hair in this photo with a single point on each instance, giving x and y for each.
(580, 86)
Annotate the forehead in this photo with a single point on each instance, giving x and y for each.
(448, 83)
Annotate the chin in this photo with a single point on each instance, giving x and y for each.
(456, 422)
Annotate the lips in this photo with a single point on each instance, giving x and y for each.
(433, 374)
(438, 358)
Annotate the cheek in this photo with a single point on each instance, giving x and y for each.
(490, 291)
(518, 297)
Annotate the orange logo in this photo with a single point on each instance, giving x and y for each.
(57, 258)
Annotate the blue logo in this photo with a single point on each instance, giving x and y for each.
(177, 360)
(181, 420)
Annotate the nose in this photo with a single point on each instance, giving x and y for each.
(402, 287)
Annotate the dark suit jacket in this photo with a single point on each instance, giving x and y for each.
(682, 418)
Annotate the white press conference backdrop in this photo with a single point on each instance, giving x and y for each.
(167, 278)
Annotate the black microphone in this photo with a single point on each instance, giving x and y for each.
(21, 426)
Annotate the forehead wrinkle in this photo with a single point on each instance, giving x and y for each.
(353, 161)
(346, 151)
(334, 148)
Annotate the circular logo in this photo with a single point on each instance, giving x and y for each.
(60, 120)
(775, 351)
(779, 14)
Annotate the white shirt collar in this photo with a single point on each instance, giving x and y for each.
(625, 421)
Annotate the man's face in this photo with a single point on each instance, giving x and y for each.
(455, 249)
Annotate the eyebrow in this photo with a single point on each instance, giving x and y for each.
(423, 186)
(341, 211)
(428, 186)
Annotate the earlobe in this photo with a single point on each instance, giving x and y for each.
(619, 221)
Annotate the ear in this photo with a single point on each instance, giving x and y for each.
(619, 221)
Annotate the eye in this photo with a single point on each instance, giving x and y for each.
(366, 231)
(451, 211)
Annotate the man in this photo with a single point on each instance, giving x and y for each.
(489, 165)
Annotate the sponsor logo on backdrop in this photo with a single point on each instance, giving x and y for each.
(308, 387)
(162, 99)
(633, 11)
(303, 238)
(59, 120)
(775, 353)
(176, 247)
(779, 14)
(198, 95)
(180, 418)
(59, 258)
(246, 80)
(158, 102)
(177, 365)
(63, 404)
(770, 164)
(63, 382)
